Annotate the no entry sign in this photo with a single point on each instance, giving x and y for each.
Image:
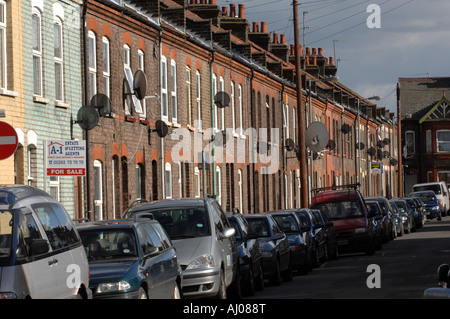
(8, 140)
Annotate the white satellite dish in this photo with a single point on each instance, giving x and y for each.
(316, 136)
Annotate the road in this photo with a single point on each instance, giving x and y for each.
(407, 266)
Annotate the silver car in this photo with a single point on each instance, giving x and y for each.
(203, 239)
(41, 254)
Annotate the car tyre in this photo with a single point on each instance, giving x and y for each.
(222, 293)
(176, 292)
(142, 294)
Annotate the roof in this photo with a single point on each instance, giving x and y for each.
(11, 193)
(114, 223)
(337, 195)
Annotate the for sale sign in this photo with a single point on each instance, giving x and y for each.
(66, 158)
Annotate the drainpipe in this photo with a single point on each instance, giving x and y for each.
(86, 102)
(213, 124)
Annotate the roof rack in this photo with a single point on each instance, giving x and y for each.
(347, 186)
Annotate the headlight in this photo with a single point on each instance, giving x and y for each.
(113, 286)
(360, 230)
(204, 261)
(435, 207)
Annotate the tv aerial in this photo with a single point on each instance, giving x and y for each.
(316, 136)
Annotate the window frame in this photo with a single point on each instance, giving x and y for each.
(59, 59)
(38, 54)
(92, 65)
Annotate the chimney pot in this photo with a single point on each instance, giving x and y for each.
(314, 51)
(255, 27)
(283, 39)
(331, 60)
(275, 38)
(264, 27)
(320, 52)
(202, 1)
(241, 11)
(232, 10)
(307, 51)
(292, 49)
(225, 11)
(213, 2)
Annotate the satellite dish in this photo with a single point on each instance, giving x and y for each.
(140, 84)
(393, 161)
(289, 144)
(223, 139)
(386, 154)
(386, 141)
(360, 146)
(380, 144)
(222, 99)
(161, 128)
(87, 117)
(371, 151)
(316, 136)
(345, 128)
(102, 103)
(380, 153)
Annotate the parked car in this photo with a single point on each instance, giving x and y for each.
(39, 247)
(432, 208)
(351, 218)
(409, 223)
(330, 234)
(274, 246)
(389, 231)
(418, 216)
(421, 206)
(398, 219)
(320, 238)
(204, 240)
(131, 259)
(441, 191)
(250, 257)
(290, 225)
(377, 221)
(304, 219)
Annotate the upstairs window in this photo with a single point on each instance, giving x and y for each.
(3, 81)
(443, 140)
(58, 59)
(37, 52)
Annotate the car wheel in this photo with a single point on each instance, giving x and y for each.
(142, 293)
(222, 293)
(250, 285)
(276, 277)
(259, 283)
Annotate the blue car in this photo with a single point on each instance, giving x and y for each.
(432, 208)
(131, 259)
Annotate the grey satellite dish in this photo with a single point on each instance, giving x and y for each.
(161, 128)
(102, 103)
(289, 144)
(360, 146)
(221, 138)
(331, 145)
(387, 141)
(140, 84)
(316, 136)
(222, 99)
(87, 117)
(345, 128)
(371, 151)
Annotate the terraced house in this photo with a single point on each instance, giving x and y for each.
(192, 99)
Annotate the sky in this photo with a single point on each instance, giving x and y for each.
(409, 38)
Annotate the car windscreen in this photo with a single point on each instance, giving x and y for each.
(436, 188)
(6, 232)
(287, 223)
(106, 244)
(401, 206)
(183, 222)
(425, 197)
(344, 209)
(259, 226)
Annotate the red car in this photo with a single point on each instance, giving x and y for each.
(351, 218)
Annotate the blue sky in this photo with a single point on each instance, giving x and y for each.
(412, 41)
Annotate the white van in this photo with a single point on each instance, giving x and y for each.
(441, 191)
(41, 254)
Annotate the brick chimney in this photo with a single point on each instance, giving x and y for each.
(206, 9)
(260, 36)
(235, 22)
(279, 47)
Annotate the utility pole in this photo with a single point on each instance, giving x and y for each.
(301, 154)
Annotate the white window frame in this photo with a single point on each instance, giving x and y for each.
(92, 63)
(164, 97)
(106, 66)
(55, 187)
(59, 60)
(37, 54)
(214, 88)
(222, 109)
(233, 107)
(188, 96)
(98, 201)
(3, 54)
(130, 78)
(173, 90)
(219, 185)
(199, 98)
(141, 66)
(241, 122)
(197, 182)
(168, 180)
(441, 142)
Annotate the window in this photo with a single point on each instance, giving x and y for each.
(57, 225)
(27, 230)
(164, 103)
(199, 99)
(54, 187)
(106, 66)
(168, 180)
(58, 59)
(241, 120)
(173, 88)
(214, 91)
(141, 66)
(233, 108)
(410, 143)
(3, 78)
(222, 109)
(140, 181)
(218, 185)
(132, 102)
(37, 52)
(197, 181)
(98, 191)
(443, 140)
(428, 142)
(188, 96)
(92, 64)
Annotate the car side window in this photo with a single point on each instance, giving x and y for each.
(144, 239)
(163, 235)
(27, 232)
(153, 236)
(57, 225)
(216, 217)
(274, 226)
